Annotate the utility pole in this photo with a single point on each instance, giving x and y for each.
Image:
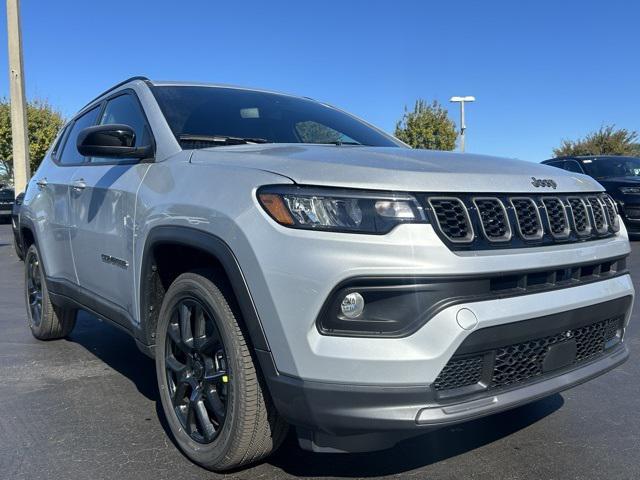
(19, 130)
(463, 126)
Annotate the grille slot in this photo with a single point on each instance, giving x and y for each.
(528, 218)
(520, 362)
(581, 221)
(557, 217)
(599, 219)
(452, 218)
(493, 219)
(612, 214)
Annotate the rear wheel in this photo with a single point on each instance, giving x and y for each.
(46, 321)
(216, 407)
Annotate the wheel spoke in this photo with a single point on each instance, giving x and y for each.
(208, 430)
(185, 324)
(206, 344)
(199, 323)
(190, 419)
(179, 394)
(175, 366)
(215, 404)
(174, 334)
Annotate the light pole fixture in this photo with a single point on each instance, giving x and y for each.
(463, 127)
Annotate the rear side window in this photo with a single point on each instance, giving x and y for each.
(70, 154)
(125, 109)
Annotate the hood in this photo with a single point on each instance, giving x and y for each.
(403, 169)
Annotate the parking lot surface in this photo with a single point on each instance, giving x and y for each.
(87, 407)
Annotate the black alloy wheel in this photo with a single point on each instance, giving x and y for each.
(197, 370)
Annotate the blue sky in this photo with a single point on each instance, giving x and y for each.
(541, 71)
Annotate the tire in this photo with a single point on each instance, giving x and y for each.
(209, 370)
(46, 321)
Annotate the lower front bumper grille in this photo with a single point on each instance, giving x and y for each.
(517, 363)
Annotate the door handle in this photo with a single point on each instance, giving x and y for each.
(42, 183)
(79, 185)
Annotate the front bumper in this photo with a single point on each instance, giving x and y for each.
(290, 292)
(343, 417)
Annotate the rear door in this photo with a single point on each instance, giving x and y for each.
(50, 209)
(103, 201)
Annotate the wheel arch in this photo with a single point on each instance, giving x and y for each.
(216, 255)
(27, 233)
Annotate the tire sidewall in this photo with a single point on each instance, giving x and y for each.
(191, 286)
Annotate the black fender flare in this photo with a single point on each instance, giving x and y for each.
(217, 248)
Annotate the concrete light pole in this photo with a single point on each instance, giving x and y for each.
(19, 130)
(463, 127)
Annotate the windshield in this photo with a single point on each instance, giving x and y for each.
(201, 116)
(612, 167)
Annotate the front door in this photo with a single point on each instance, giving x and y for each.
(103, 205)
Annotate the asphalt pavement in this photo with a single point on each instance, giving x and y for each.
(87, 407)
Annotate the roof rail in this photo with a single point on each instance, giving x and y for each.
(131, 79)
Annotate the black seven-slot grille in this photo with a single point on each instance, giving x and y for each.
(489, 221)
(517, 363)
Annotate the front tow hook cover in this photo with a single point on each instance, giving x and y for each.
(466, 319)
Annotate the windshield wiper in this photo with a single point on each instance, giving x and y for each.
(221, 139)
(340, 142)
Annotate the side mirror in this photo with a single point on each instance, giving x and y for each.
(111, 141)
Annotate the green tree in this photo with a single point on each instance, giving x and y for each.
(427, 126)
(43, 123)
(606, 141)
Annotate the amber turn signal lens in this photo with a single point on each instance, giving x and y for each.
(276, 208)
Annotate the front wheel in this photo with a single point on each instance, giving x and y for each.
(211, 393)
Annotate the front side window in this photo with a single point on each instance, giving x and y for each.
(554, 164)
(572, 166)
(211, 116)
(125, 110)
(70, 154)
(59, 142)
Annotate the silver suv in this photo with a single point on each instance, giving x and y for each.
(286, 263)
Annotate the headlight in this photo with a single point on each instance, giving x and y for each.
(339, 210)
(630, 190)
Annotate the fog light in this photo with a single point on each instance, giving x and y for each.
(352, 305)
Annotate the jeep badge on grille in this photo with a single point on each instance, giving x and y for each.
(543, 182)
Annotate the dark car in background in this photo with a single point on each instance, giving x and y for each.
(619, 175)
(7, 197)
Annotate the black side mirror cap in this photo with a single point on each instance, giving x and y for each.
(111, 141)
